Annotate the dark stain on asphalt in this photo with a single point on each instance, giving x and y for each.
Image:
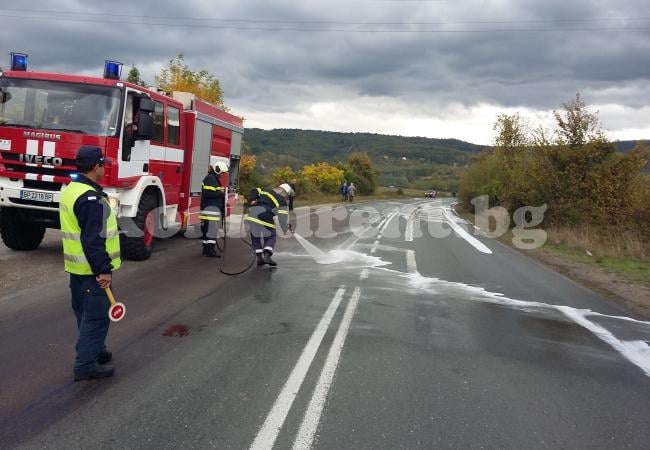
(177, 330)
(283, 328)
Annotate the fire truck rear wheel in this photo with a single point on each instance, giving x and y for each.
(139, 248)
(18, 234)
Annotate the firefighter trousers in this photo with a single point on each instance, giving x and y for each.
(263, 238)
(210, 224)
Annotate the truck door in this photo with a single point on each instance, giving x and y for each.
(134, 154)
(174, 156)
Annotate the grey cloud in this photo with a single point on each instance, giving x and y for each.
(286, 71)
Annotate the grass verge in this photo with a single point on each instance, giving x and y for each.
(623, 255)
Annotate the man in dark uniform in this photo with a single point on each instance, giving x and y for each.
(292, 185)
(264, 206)
(212, 208)
(91, 252)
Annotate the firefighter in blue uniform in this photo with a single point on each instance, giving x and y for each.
(91, 252)
(212, 208)
(264, 205)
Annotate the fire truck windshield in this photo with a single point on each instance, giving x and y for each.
(60, 106)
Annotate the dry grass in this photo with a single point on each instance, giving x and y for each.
(609, 242)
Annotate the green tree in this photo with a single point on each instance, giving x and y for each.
(511, 136)
(134, 77)
(364, 175)
(249, 176)
(578, 126)
(177, 76)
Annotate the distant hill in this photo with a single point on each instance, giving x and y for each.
(299, 147)
(403, 161)
(626, 146)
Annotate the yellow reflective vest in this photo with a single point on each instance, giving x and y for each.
(73, 254)
(264, 215)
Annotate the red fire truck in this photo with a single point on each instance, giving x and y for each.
(155, 168)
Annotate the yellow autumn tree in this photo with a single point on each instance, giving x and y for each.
(249, 178)
(325, 177)
(283, 175)
(177, 76)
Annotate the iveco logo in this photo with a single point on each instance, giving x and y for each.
(38, 159)
(41, 135)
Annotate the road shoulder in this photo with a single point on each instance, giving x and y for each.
(632, 295)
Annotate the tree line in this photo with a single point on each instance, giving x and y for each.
(318, 177)
(574, 169)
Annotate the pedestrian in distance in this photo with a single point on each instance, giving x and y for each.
(344, 192)
(212, 208)
(91, 253)
(264, 206)
(292, 185)
(352, 190)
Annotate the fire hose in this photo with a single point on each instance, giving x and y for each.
(222, 247)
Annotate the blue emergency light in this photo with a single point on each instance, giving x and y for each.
(112, 70)
(19, 61)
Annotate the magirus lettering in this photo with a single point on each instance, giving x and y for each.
(41, 135)
(38, 159)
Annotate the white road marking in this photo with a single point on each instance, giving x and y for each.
(364, 274)
(410, 223)
(411, 265)
(387, 222)
(310, 421)
(268, 433)
(478, 245)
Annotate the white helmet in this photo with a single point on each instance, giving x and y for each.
(220, 167)
(286, 188)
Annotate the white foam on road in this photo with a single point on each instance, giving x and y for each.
(350, 257)
(636, 352)
(319, 256)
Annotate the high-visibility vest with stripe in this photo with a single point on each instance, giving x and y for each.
(207, 187)
(278, 209)
(73, 254)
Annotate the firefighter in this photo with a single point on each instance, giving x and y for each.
(91, 252)
(264, 205)
(212, 208)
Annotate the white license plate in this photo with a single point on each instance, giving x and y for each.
(44, 197)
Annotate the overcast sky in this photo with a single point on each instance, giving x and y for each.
(432, 68)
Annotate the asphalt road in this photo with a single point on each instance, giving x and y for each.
(373, 334)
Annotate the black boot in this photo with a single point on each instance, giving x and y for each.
(267, 258)
(103, 371)
(210, 251)
(260, 260)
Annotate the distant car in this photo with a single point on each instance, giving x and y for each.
(430, 194)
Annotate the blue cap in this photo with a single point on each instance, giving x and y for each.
(89, 155)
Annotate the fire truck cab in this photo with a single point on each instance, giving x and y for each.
(158, 148)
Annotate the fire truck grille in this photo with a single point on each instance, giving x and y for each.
(20, 201)
(43, 185)
(12, 163)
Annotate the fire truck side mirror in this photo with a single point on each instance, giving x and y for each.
(5, 96)
(147, 105)
(145, 127)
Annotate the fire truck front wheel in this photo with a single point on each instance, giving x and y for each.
(140, 246)
(17, 233)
